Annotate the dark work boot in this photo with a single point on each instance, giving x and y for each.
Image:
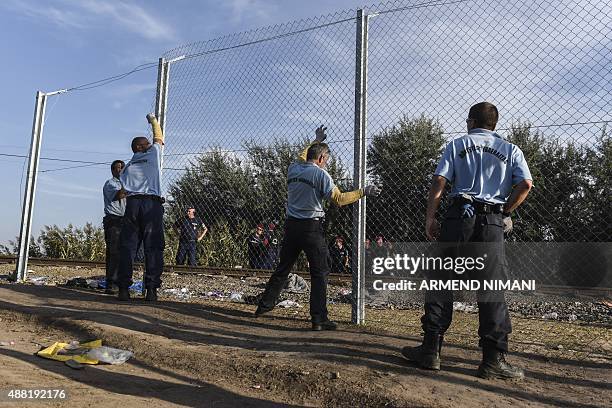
(109, 288)
(494, 365)
(427, 355)
(151, 295)
(326, 325)
(261, 310)
(124, 294)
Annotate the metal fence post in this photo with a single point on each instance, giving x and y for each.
(161, 97)
(30, 189)
(359, 170)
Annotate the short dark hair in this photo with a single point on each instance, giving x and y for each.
(485, 115)
(316, 150)
(117, 162)
(136, 140)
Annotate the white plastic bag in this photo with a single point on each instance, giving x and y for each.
(110, 355)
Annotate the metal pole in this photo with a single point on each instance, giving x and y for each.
(161, 102)
(30, 189)
(359, 170)
(162, 92)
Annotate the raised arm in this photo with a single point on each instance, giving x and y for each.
(158, 136)
(320, 137)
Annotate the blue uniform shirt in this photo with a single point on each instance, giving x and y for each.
(483, 165)
(142, 174)
(307, 186)
(109, 191)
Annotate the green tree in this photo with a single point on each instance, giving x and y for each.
(401, 160)
(234, 193)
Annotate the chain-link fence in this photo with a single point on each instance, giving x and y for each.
(401, 75)
(241, 107)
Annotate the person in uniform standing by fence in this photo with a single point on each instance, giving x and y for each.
(308, 185)
(191, 230)
(144, 213)
(490, 179)
(114, 209)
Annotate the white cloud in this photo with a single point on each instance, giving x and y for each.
(128, 16)
(241, 9)
(85, 14)
(129, 90)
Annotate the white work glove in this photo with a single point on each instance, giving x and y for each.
(371, 191)
(150, 117)
(320, 132)
(507, 224)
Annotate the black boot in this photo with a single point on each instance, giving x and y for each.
(494, 365)
(261, 310)
(151, 295)
(109, 288)
(124, 294)
(427, 354)
(326, 325)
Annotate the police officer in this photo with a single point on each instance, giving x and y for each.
(191, 230)
(308, 185)
(257, 248)
(339, 256)
(143, 220)
(114, 209)
(490, 179)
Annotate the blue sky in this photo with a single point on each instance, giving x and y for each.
(57, 44)
(543, 62)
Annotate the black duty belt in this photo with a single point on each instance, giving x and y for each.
(479, 206)
(316, 219)
(148, 197)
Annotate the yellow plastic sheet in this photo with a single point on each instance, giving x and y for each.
(53, 352)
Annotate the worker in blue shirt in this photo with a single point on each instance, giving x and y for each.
(143, 220)
(114, 209)
(308, 185)
(489, 179)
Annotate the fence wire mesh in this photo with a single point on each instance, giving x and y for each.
(241, 107)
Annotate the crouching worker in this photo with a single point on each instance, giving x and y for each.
(143, 220)
(308, 184)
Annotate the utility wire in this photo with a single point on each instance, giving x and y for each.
(85, 163)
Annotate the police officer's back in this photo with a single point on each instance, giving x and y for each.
(490, 179)
(308, 185)
(143, 220)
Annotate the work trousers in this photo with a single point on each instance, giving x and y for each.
(186, 251)
(308, 236)
(143, 221)
(478, 236)
(112, 233)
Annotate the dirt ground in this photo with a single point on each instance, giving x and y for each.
(210, 353)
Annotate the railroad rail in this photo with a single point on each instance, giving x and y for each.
(180, 269)
(605, 292)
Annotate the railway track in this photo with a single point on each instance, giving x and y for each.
(242, 272)
(181, 269)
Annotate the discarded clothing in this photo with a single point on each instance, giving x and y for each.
(296, 284)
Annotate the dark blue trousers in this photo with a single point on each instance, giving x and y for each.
(143, 221)
(474, 236)
(308, 236)
(186, 250)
